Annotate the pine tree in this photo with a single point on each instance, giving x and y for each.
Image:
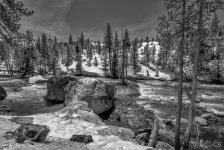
(125, 48)
(99, 47)
(108, 41)
(115, 56)
(44, 51)
(95, 62)
(70, 40)
(104, 57)
(153, 53)
(11, 13)
(29, 39)
(79, 59)
(55, 55)
(146, 52)
(81, 42)
(135, 55)
(215, 40)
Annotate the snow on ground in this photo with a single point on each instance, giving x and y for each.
(153, 73)
(93, 68)
(34, 79)
(99, 70)
(151, 45)
(65, 123)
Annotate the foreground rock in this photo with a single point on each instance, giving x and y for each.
(32, 132)
(3, 94)
(98, 94)
(22, 120)
(55, 88)
(79, 120)
(82, 138)
(130, 115)
(201, 121)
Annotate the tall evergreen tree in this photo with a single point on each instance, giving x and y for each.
(81, 42)
(79, 59)
(11, 13)
(147, 52)
(108, 41)
(153, 53)
(44, 51)
(70, 40)
(115, 56)
(105, 61)
(135, 55)
(125, 48)
(99, 47)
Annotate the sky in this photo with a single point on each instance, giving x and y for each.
(63, 17)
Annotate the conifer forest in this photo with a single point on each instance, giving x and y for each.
(111, 74)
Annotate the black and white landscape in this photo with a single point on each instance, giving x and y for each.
(111, 75)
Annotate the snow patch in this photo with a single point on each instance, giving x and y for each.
(34, 79)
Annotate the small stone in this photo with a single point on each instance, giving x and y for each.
(22, 120)
(207, 116)
(165, 146)
(201, 121)
(82, 138)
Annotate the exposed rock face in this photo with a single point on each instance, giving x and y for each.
(162, 145)
(201, 121)
(3, 94)
(82, 138)
(55, 88)
(142, 136)
(33, 132)
(22, 120)
(131, 116)
(99, 95)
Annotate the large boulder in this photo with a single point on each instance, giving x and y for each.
(98, 94)
(3, 94)
(55, 88)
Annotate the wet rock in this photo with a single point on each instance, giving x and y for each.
(55, 88)
(142, 136)
(183, 121)
(206, 116)
(165, 146)
(201, 121)
(3, 94)
(33, 132)
(22, 120)
(5, 110)
(148, 130)
(82, 138)
(114, 116)
(99, 95)
(123, 133)
(133, 116)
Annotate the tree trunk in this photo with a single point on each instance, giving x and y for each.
(194, 86)
(180, 91)
(154, 134)
(218, 58)
(110, 59)
(123, 66)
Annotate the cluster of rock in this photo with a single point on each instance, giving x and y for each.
(68, 90)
